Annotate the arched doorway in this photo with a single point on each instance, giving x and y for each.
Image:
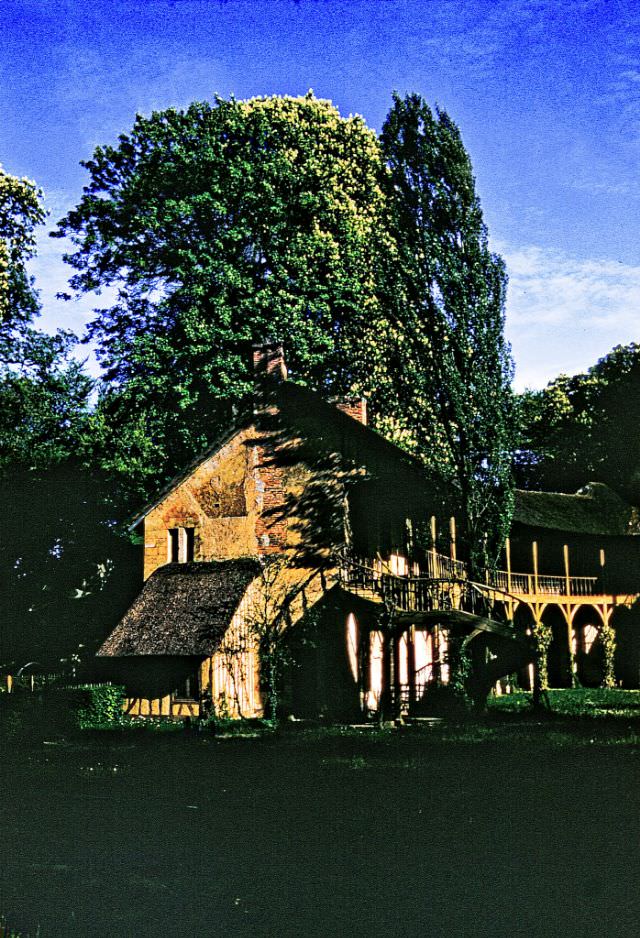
(558, 654)
(587, 648)
(523, 622)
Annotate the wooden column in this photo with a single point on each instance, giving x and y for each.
(434, 553)
(567, 611)
(602, 566)
(397, 688)
(452, 539)
(411, 663)
(537, 678)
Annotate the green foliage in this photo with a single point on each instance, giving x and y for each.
(67, 574)
(446, 700)
(443, 294)
(594, 703)
(20, 213)
(460, 670)
(221, 225)
(607, 637)
(43, 394)
(543, 636)
(583, 428)
(45, 398)
(97, 705)
(63, 711)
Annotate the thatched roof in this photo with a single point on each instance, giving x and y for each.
(183, 609)
(595, 509)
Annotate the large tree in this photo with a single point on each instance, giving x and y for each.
(444, 294)
(218, 226)
(58, 543)
(223, 224)
(584, 428)
(44, 393)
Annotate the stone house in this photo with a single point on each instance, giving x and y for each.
(266, 511)
(251, 541)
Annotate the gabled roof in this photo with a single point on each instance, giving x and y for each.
(183, 609)
(173, 483)
(323, 429)
(594, 509)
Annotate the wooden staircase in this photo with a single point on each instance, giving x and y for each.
(424, 600)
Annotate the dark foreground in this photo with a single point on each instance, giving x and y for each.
(401, 835)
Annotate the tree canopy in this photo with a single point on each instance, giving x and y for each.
(43, 391)
(584, 428)
(21, 211)
(218, 226)
(275, 217)
(58, 544)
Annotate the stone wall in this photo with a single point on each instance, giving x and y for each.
(218, 499)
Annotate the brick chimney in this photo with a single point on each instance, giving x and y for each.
(268, 361)
(355, 407)
(269, 370)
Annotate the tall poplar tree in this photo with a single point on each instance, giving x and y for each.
(444, 294)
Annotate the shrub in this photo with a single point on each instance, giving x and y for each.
(60, 710)
(97, 705)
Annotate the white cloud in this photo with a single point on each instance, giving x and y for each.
(565, 312)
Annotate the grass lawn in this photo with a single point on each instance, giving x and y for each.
(583, 702)
(514, 825)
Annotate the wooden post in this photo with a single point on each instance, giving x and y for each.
(567, 589)
(510, 603)
(602, 564)
(452, 537)
(387, 703)
(434, 553)
(411, 664)
(537, 676)
(9, 683)
(397, 688)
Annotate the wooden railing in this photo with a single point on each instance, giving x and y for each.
(438, 567)
(419, 593)
(528, 584)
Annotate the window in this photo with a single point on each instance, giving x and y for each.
(188, 688)
(181, 543)
(174, 545)
(190, 542)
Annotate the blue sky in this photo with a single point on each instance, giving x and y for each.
(546, 93)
